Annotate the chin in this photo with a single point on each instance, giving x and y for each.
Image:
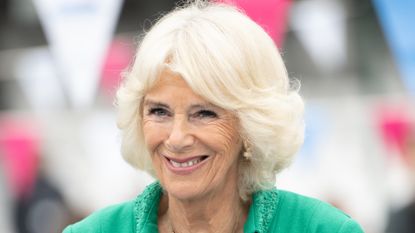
(185, 190)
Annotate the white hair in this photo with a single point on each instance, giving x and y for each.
(230, 61)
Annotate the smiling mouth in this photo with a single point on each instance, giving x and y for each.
(186, 163)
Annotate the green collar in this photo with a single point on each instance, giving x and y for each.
(261, 212)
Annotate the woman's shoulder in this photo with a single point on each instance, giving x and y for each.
(108, 219)
(122, 218)
(297, 213)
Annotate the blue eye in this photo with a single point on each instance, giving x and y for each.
(206, 114)
(158, 112)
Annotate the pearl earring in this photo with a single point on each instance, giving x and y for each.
(248, 151)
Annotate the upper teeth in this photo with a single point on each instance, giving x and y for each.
(186, 164)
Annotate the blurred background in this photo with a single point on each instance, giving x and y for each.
(60, 64)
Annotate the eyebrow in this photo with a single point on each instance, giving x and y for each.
(202, 106)
(148, 102)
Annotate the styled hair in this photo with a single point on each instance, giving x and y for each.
(230, 61)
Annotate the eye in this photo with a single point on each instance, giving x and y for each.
(205, 114)
(160, 112)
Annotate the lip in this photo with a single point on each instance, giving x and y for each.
(184, 170)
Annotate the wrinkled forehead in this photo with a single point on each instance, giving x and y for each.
(167, 78)
(163, 76)
(170, 72)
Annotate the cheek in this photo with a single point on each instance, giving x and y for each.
(152, 139)
(152, 134)
(227, 139)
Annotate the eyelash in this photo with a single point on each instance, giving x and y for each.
(161, 112)
(206, 114)
(158, 112)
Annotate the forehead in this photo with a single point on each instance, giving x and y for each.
(169, 79)
(171, 86)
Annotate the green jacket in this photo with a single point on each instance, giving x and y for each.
(271, 211)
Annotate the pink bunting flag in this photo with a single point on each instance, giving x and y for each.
(19, 154)
(270, 14)
(395, 125)
(119, 56)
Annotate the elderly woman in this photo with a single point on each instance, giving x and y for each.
(208, 110)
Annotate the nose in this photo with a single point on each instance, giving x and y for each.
(180, 138)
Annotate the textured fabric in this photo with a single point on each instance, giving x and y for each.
(271, 211)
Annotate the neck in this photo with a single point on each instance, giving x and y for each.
(221, 211)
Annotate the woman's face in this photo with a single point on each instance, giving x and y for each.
(194, 144)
